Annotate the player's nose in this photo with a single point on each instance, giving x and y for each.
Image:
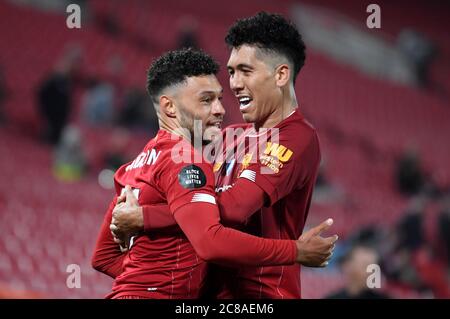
(218, 109)
(236, 83)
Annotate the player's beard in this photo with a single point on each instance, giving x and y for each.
(193, 125)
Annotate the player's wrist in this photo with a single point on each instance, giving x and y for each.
(299, 251)
(139, 220)
(146, 218)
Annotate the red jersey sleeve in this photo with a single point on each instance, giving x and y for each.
(280, 169)
(233, 210)
(181, 183)
(107, 257)
(187, 183)
(156, 217)
(215, 243)
(189, 189)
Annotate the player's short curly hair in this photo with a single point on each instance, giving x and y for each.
(176, 66)
(270, 32)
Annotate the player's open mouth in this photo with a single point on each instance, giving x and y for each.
(244, 102)
(215, 124)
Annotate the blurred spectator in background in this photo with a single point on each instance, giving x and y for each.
(420, 51)
(324, 190)
(69, 161)
(55, 99)
(321, 181)
(188, 35)
(407, 238)
(432, 272)
(115, 153)
(410, 177)
(98, 102)
(354, 268)
(410, 234)
(107, 20)
(4, 92)
(370, 236)
(137, 112)
(413, 261)
(444, 230)
(115, 76)
(55, 94)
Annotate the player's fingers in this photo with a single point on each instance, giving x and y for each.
(317, 230)
(119, 205)
(322, 227)
(118, 210)
(118, 241)
(332, 239)
(115, 237)
(121, 198)
(113, 228)
(331, 249)
(131, 199)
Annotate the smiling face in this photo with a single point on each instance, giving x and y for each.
(253, 81)
(199, 106)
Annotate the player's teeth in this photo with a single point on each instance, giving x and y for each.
(244, 101)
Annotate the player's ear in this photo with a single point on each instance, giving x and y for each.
(166, 106)
(282, 75)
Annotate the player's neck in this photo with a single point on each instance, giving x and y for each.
(171, 126)
(281, 111)
(175, 129)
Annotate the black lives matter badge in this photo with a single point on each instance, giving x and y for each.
(192, 176)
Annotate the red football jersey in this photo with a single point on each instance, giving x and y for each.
(285, 167)
(164, 264)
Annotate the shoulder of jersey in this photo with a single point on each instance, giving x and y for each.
(298, 122)
(297, 132)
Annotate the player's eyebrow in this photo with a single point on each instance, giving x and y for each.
(240, 66)
(210, 92)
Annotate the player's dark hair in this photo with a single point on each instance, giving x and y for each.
(350, 251)
(174, 67)
(270, 32)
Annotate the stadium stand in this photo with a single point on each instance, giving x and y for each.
(364, 124)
